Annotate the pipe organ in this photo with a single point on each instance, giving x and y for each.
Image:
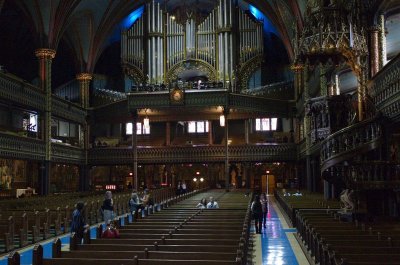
(210, 41)
(175, 42)
(206, 40)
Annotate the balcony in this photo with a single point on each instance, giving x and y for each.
(194, 154)
(385, 89)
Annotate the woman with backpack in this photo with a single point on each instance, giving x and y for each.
(264, 204)
(257, 214)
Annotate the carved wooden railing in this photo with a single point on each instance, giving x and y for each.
(193, 154)
(67, 154)
(68, 110)
(281, 90)
(350, 141)
(369, 174)
(18, 147)
(20, 91)
(385, 89)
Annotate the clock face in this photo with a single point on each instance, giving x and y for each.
(176, 96)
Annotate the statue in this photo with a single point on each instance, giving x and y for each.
(347, 200)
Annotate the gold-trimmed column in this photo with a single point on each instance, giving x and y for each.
(374, 50)
(45, 57)
(382, 41)
(298, 71)
(84, 82)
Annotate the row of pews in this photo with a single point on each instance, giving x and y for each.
(328, 239)
(30, 220)
(175, 233)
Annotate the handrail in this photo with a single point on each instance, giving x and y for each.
(341, 145)
(350, 128)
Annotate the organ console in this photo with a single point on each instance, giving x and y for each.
(157, 45)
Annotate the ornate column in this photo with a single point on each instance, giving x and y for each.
(134, 115)
(210, 133)
(382, 41)
(168, 133)
(45, 57)
(298, 71)
(226, 113)
(306, 126)
(84, 82)
(374, 50)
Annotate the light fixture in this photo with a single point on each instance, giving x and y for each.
(146, 121)
(198, 173)
(172, 17)
(222, 120)
(267, 171)
(201, 179)
(194, 179)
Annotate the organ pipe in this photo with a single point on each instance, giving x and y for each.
(210, 40)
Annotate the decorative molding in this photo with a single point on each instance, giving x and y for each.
(248, 69)
(68, 110)
(21, 92)
(199, 65)
(193, 154)
(44, 53)
(17, 147)
(67, 154)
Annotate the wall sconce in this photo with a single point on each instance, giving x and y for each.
(222, 120)
(201, 179)
(195, 179)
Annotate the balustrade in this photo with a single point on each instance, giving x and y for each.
(372, 173)
(328, 114)
(182, 154)
(20, 91)
(21, 147)
(385, 88)
(348, 140)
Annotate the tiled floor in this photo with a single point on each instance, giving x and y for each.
(277, 245)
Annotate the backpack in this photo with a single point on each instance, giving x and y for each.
(257, 208)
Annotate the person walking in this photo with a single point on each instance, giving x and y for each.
(264, 205)
(256, 211)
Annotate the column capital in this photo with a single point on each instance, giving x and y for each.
(84, 77)
(374, 28)
(45, 53)
(297, 67)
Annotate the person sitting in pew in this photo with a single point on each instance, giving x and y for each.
(134, 202)
(108, 208)
(202, 204)
(78, 224)
(110, 231)
(212, 204)
(147, 200)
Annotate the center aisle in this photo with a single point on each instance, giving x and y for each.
(277, 244)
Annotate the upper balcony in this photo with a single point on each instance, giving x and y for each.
(385, 89)
(20, 92)
(194, 154)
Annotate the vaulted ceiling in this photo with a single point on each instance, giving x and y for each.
(85, 26)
